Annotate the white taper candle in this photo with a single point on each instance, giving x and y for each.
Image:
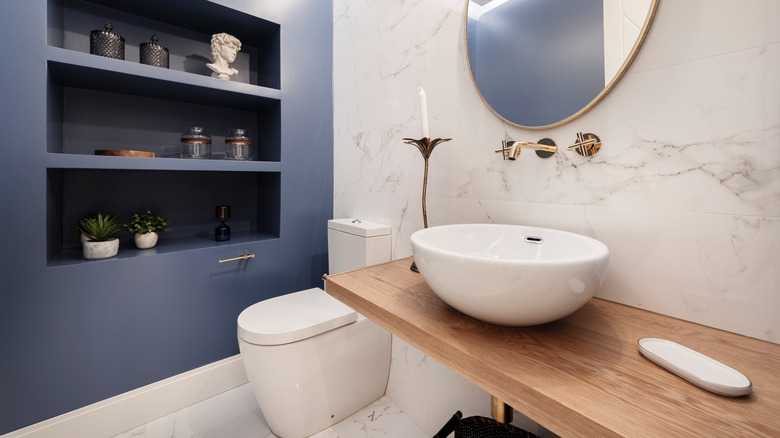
(424, 113)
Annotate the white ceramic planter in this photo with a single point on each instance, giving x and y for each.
(144, 241)
(100, 250)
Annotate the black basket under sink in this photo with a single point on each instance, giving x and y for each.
(480, 427)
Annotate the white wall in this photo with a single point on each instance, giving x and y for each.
(623, 21)
(430, 393)
(684, 192)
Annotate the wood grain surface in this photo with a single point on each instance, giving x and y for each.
(582, 376)
(124, 153)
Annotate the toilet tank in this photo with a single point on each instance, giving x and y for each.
(355, 243)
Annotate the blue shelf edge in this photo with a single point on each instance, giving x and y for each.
(67, 60)
(73, 256)
(78, 161)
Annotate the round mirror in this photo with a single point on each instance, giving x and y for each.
(538, 64)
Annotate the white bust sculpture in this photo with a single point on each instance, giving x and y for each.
(224, 48)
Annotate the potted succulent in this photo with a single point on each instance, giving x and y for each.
(97, 235)
(145, 228)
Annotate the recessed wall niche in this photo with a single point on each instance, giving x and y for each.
(96, 103)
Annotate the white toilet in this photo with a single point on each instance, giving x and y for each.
(311, 360)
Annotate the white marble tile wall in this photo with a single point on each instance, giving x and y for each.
(430, 393)
(685, 192)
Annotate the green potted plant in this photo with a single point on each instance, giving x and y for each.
(145, 228)
(97, 235)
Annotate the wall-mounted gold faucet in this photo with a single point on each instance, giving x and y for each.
(545, 148)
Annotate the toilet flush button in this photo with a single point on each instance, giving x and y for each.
(695, 367)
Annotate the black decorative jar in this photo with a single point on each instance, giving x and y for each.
(107, 43)
(154, 54)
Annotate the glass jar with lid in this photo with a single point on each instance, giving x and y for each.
(238, 145)
(196, 143)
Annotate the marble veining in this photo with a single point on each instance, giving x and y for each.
(430, 393)
(685, 191)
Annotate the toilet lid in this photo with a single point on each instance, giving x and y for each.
(292, 317)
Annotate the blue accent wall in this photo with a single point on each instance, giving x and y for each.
(76, 334)
(552, 53)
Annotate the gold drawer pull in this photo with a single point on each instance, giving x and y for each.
(248, 255)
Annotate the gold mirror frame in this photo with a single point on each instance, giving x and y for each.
(640, 39)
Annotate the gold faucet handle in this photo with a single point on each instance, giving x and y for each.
(505, 149)
(586, 145)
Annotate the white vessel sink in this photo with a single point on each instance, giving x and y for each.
(509, 274)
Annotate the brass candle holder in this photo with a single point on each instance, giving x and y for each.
(425, 145)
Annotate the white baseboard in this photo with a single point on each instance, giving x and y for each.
(126, 411)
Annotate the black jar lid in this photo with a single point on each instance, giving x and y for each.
(108, 32)
(153, 44)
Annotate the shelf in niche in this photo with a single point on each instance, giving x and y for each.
(184, 27)
(203, 16)
(74, 256)
(92, 97)
(187, 197)
(83, 70)
(76, 161)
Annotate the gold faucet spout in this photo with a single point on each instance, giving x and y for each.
(511, 149)
(537, 146)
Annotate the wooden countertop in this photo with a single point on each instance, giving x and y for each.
(580, 376)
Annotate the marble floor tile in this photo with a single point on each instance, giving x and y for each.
(381, 418)
(235, 414)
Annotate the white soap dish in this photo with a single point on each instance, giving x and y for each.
(695, 367)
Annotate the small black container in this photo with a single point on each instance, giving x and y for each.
(107, 43)
(222, 232)
(154, 54)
